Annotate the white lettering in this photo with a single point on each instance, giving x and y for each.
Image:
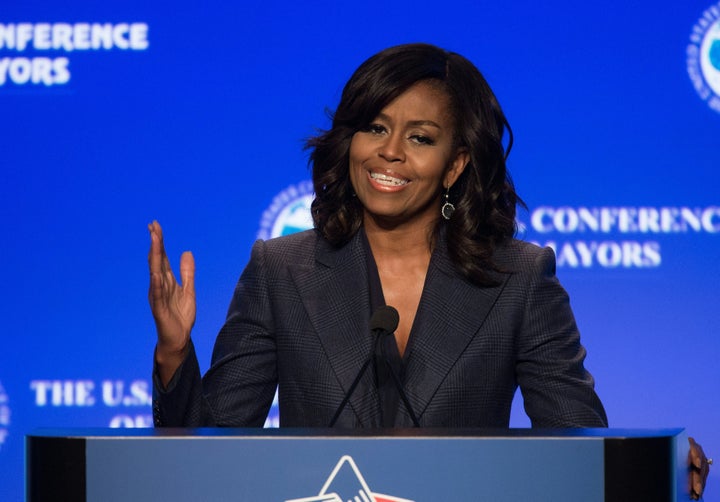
(7, 36)
(119, 36)
(20, 70)
(78, 36)
(606, 254)
(649, 220)
(589, 219)
(42, 40)
(566, 220)
(651, 250)
(42, 71)
(632, 255)
(112, 392)
(138, 36)
(81, 36)
(586, 252)
(541, 219)
(4, 64)
(609, 254)
(707, 220)
(626, 220)
(38, 70)
(608, 217)
(62, 36)
(101, 36)
(139, 393)
(567, 257)
(4, 415)
(24, 35)
(60, 67)
(63, 392)
(668, 220)
(83, 393)
(126, 421)
(41, 388)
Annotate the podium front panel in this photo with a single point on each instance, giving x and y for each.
(240, 465)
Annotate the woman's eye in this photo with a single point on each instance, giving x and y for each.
(376, 129)
(423, 140)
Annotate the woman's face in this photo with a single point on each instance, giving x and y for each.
(402, 163)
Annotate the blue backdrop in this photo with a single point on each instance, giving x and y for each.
(113, 114)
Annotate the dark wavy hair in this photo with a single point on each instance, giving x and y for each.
(484, 195)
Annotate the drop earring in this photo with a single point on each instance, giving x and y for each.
(447, 209)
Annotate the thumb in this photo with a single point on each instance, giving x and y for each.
(187, 271)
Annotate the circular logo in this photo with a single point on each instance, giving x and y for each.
(703, 57)
(289, 212)
(4, 415)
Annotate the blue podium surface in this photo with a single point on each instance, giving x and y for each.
(307, 465)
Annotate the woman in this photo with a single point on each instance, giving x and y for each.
(414, 208)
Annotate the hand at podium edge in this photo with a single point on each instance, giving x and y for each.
(699, 469)
(173, 305)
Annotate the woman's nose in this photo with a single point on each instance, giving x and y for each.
(392, 149)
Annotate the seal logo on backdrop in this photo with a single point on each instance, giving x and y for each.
(289, 212)
(4, 415)
(703, 57)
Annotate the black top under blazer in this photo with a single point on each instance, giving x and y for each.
(299, 321)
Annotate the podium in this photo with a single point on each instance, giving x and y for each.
(308, 465)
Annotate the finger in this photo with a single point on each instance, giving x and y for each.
(154, 263)
(159, 261)
(165, 266)
(151, 230)
(698, 483)
(157, 249)
(161, 277)
(187, 272)
(697, 455)
(157, 285)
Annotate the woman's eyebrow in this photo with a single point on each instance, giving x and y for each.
(419, 122)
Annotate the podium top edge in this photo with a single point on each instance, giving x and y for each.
(317, 433)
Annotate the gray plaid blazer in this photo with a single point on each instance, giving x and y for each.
(299, 321)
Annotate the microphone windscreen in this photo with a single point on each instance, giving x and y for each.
(385, 318)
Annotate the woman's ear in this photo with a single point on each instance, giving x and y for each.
(456, 167)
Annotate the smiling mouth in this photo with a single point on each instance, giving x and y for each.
(387, 180)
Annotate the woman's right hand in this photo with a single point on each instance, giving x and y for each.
(173, 305)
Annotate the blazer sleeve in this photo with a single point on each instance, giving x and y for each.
(181, 404)
(238, 389)
(557, 389)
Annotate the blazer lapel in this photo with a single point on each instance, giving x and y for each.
(451, 314)
(335, 295)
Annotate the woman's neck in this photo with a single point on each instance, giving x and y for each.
(402, 241)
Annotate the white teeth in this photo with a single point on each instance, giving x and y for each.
(384, 179)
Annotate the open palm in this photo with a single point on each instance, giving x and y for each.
(173, 304)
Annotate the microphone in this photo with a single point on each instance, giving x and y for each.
(383, 321)
(392, 318)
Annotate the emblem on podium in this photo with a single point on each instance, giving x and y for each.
(347, 484)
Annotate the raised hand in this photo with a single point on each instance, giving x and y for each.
(173, 305)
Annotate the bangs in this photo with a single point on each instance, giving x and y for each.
(384, 77)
